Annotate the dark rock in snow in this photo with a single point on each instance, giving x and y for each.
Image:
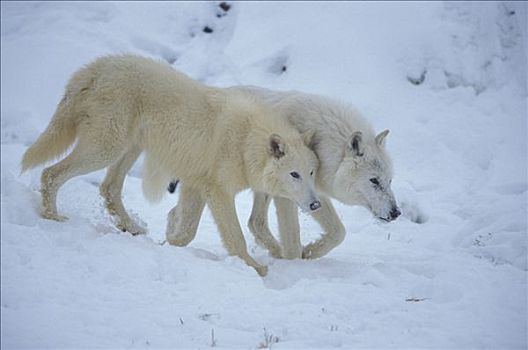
(225, 6)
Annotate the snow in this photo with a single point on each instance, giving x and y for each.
(449, 81)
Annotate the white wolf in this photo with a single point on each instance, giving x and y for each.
(354, 168)
(217, 141)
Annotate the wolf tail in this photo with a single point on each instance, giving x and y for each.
(58, 136)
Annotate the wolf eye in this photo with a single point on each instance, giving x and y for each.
(375, 181)
(311, 173)
(295, 175)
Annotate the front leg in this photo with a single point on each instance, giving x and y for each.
(184, 218)
(334, 231)
(258, 224)
(288, 220)
(222, 207)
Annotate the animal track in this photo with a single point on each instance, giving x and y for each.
(413, 212)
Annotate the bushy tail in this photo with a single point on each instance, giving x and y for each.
(54, 141)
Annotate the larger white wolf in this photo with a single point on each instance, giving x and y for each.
(217, 141)
(354, 168)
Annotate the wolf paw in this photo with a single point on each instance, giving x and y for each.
(276, 252)
(179, 240)
(274, 249)
(54, 216)
(132, 228)
(262, 270)
(310, 252)
(292, 254)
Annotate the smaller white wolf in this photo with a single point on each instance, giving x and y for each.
(354, 168)
(217, 141)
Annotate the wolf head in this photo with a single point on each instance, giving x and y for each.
(291, 169)
(365, 174)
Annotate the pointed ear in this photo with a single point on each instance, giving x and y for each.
(380, 139)
(355, 144)
(308, 138)
(277, 148)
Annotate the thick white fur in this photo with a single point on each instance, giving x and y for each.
(345, 171)
(217, 141)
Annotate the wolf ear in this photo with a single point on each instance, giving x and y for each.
(380, 139)
(308, 138)
(277, 147)
(355, 145)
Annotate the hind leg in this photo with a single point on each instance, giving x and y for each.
(82, 160)
(112, 187)
(184, 218)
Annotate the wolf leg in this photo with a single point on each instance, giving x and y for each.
(258, 225)
(222, 207)
(112, 187)
(183, 219)
(85, 158)
(334, 231)
(288, 220)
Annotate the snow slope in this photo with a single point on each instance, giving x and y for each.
(448, 79)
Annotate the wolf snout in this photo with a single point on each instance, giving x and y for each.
(315, 205)
(395, 212)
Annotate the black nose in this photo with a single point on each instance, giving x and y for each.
(395, 212)
(315, 205)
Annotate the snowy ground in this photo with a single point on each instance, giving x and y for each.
(448, 79)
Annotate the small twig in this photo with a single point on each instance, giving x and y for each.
(213, 340)
(269, 340)
(415, 300)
